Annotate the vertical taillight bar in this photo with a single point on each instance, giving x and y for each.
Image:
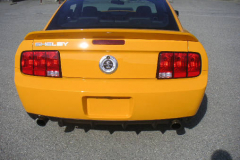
(194, 64)
(53, 64)
(27, 62)
(39, 61)
(166, 65)
(178, 65)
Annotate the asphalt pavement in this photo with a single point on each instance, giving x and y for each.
(213, 135)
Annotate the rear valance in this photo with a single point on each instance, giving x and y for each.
(113, 34)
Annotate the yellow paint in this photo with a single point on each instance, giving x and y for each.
(108, 107)
(132, 92)
(112, 33)
(151, 98)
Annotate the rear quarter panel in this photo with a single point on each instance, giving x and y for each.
(198, 47)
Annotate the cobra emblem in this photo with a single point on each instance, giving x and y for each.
(108, 64)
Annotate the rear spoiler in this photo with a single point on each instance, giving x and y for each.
(113, 34)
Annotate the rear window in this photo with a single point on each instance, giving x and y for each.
(133, 14)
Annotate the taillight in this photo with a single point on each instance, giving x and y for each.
(41, 63)
(27, 62)
(179, 65)
(53, 64)
(194, 64)
(166, 65)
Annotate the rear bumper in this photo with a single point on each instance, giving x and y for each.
(66, 121)
(111, 99)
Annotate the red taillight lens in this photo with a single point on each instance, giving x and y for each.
(53, 65)
(166, 65)
(179, 65)
(41, 63)
(108, 42)
(27, 62)
(194, 64)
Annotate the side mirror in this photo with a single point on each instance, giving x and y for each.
(177, 12)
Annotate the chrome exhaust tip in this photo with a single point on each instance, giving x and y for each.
(176, 124)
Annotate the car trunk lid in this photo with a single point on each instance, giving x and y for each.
(137, 57)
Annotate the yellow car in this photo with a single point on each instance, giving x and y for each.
(121, 61)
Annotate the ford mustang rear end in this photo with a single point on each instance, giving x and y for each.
(111, 60)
